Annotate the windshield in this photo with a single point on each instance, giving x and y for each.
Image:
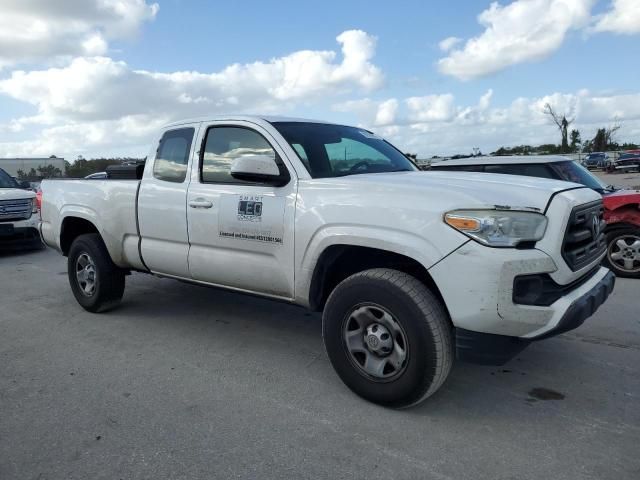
(336, 151)
(6, 181)
(572, 172)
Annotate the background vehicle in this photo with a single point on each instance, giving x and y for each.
(408, 269)
(18, 214)
(97, 176)
(622, 207)
(628, 161)
(595, 160)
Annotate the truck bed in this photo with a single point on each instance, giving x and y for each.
(111, 204)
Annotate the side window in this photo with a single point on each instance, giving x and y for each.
(223, 145)
(173, 155)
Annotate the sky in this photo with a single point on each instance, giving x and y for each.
(100, 77)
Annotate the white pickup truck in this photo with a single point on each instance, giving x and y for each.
(410, 269)
(18, 215)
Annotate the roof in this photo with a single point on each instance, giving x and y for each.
(499, 160)
(247, 118)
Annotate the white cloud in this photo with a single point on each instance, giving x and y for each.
(448, 43)
(523, 31)
(34, 30)
(435, 124)
(99, 94)
(623, 17)
(430, 108)
(386, 113)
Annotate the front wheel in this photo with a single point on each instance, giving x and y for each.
(623, 252)
(388, 337)
(96, 282)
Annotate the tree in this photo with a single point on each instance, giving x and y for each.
(605, 138)
(610, 134)
(575, 140)
(562, 123)
(599, 142)
(48, 171)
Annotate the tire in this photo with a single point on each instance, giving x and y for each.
(96, 282)
(623, 252)
(398, 304)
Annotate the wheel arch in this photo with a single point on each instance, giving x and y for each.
(339, 261)
(71, 228)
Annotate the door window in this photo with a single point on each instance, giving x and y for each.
(173, 155)
(223, 145)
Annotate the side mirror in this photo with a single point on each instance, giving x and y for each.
(25, 185)
(259, 169)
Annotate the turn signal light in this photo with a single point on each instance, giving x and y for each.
(462, 223)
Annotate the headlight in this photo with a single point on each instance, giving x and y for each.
(498, 228)
(34, 206)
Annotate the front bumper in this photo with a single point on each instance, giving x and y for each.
(492, 349)
(477, 285)
(23, 233)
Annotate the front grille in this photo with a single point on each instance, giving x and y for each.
(15, 209)
(584, 239)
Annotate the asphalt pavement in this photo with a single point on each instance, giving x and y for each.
(186, 382)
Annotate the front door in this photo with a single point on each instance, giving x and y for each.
(241, 233)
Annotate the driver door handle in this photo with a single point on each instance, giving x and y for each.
(200, 203)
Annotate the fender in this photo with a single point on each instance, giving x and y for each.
(628, 214)
(388, 239)
(622, 207)
(113, 244)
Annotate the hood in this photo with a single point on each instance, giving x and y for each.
(15, 194)
(468, 189)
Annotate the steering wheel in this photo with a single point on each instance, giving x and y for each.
(358, 165)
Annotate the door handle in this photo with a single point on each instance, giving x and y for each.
(200, 203)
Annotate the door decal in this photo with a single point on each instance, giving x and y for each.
(258, 218)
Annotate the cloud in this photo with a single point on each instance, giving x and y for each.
(623, 17)
(386, 113)
(35, 30)
(448, 43)
(435, 124)
(100, 94)
(430, 108)
(523, 31)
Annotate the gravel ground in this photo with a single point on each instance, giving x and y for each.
(627, 180)
(185, 382)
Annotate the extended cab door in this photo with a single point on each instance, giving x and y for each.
(241, 233)
(162, 203)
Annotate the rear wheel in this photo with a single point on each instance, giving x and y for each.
(388, 337)
(623, 252)
(96, 282)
